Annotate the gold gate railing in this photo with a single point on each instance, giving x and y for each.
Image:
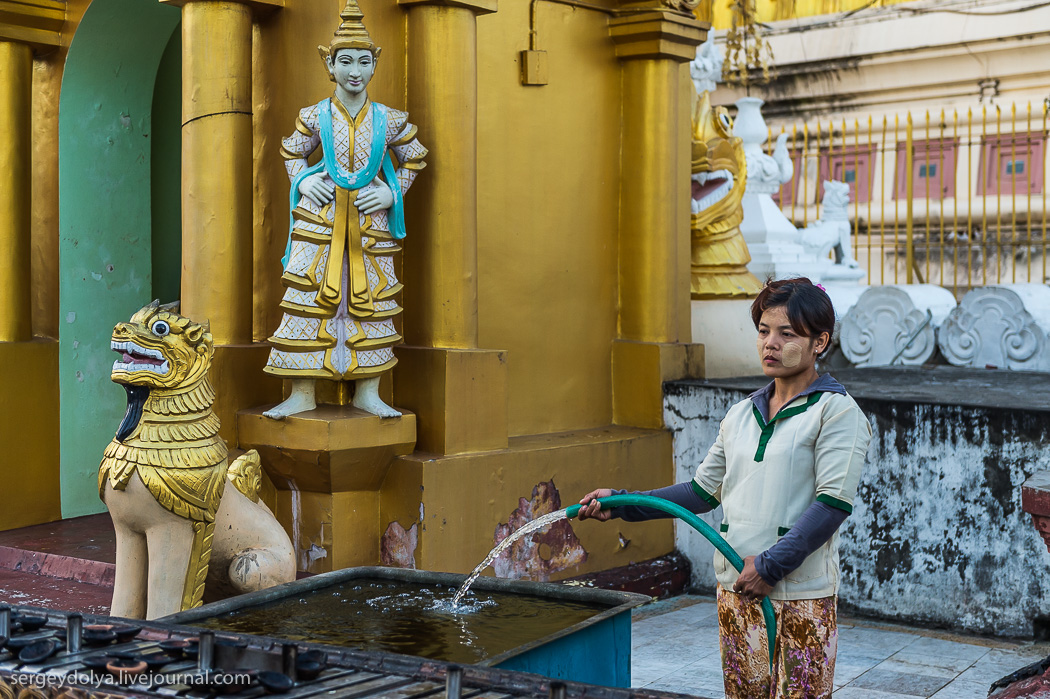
(958, 200)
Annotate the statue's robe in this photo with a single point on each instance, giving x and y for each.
(341, 289)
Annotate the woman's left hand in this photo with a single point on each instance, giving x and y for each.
(750, 584)
(375, 198)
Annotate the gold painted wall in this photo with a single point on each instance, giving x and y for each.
(773, 10)
(546, 258)
(29, 433)
(548, 197)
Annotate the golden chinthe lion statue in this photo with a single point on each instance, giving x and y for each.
(164, 478)
(719, 176)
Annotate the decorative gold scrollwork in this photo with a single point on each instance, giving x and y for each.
(686, 6)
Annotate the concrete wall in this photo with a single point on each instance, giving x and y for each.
(937, 535)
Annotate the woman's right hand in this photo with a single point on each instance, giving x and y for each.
(591, 508)
(317, 189)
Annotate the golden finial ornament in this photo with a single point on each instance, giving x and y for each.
(749, 57)
(351, 33)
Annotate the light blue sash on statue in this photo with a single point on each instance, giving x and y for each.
(377, 158)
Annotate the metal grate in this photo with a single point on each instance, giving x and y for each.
(347, 673)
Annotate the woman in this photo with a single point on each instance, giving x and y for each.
(785, 468)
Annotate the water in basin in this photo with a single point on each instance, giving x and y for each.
(410, 618)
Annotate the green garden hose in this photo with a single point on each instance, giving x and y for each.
(701, 526)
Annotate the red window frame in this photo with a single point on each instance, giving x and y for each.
(934, 162)
(1000, 155)
(834, 166)
(858, 160)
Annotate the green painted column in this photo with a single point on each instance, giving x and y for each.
(105, 131)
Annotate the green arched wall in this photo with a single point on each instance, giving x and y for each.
(105, 193)
(166, 175)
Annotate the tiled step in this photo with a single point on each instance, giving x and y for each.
(57, 566)
(65, 565)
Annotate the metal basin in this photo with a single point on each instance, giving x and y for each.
(572, 633)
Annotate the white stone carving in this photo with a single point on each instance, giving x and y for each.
(765, 173)
(706, 68)
(771, 238)
(1002, 326)
(895, 324)
(831, 233)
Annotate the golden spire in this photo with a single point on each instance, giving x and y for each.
(351, 33)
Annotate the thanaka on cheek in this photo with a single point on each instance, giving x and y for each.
(791, 356)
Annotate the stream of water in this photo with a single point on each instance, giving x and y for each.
(528, 528)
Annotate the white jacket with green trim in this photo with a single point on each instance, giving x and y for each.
(766, 475)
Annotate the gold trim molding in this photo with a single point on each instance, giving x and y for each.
(480, 7)
(34, 22)
(682, 7)
(260, 7)
(657, 34)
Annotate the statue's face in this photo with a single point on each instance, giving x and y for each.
(352, 69)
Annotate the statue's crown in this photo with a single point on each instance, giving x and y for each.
(351, 33)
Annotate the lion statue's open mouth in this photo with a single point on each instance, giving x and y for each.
(709, 188)
(136, 358)
(719, 169)
(719, 257)
(160, 349)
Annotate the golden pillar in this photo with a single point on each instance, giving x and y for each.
(441, 304)
(217, 194)
(457, 390)
(217, 167)
(654, 245)
(28, 366)
(16, 93)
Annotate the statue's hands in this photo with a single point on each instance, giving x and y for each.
(375, 198)
(591, 509)
(317, 189)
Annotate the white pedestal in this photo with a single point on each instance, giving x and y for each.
(772, 242)
(844, 296)
(729, 337)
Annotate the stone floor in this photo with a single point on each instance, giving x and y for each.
(675, 648)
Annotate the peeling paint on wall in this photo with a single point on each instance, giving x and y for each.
(398, 547)
(937, 535)
(550, 550)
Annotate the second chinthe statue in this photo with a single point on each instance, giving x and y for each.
(341, 290)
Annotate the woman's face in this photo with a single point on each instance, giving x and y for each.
(782, 351)
(352, 69)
